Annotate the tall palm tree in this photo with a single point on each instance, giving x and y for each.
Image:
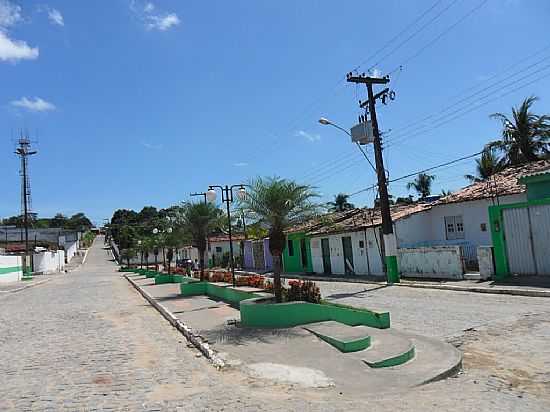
(199, 220)
(340, 203)
(525, 136)
(278, 203)
(486, 166)
(422, 184)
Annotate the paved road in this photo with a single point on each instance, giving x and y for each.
(88, 341)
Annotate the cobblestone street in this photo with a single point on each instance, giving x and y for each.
(87, 341)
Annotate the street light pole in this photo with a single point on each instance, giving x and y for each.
(227, 197)
(199, 194)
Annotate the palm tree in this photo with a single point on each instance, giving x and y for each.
(486, 166)
(199, 220)
(278, 203)
(525, 136)
(340, 203)
(422, 184)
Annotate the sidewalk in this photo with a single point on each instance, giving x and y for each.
(6, 288)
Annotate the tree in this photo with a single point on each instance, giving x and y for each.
(486, 166)
(78, 221)
(340, 203)
(525, 136)
(279, 203)
(199, 220)
(59, 220)
(422, 184)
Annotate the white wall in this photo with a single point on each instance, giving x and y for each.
(431, 262)
(366, 260)
(49, 262)
(70, 249)
(225, 248)
(10, 268)
(429, 226)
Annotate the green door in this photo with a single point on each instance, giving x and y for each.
(325, 249)
(348, 255)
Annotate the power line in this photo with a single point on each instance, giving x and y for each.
(467, 98)
(418, 172)
(465, 110)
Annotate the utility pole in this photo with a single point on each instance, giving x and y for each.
(390, 242)
(24, 151)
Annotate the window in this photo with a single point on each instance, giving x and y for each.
(483, 227)
(454, 227)
(290, 248)
(218, 249)
(361, 244)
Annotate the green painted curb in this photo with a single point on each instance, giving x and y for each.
(394, 361)
(393, 271)
(11, 269)
(346, 346)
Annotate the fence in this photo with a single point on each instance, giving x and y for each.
(444, 262)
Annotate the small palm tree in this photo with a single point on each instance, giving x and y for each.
(422, 184)
(340, 203)
(486, 166)
(199, 220)
(278, 203)
(525, 136)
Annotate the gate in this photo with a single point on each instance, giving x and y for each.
(527, 236)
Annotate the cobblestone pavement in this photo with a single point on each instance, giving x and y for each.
(87, 341)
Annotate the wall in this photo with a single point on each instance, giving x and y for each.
(431, 262)
(71, 247)
(294, 264)
(11, 269)
(248, 260)
(268, 258)
(430, 225)
(366, 260)
(48, 235)
(49, 262)
(224, 249)
(485, 259)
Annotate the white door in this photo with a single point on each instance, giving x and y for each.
(519, 245)
(540, 229)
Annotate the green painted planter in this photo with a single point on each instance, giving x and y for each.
(227, 293)
(150, 274)
(259, 313)
(170, 278)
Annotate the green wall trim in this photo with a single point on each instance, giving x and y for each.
(11, 269)
(254, 313)
(393, 270)
(498, 236)
(394, 361)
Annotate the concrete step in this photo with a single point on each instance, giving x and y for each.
(343, 337)
(434, 360)
(388, 348)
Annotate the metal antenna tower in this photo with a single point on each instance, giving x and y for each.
(24, 151)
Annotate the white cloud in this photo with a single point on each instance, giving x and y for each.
(36, 105)
(162, 23)
(152, 146)
(10, 14)
(240, 164)
(309, 136)
(56, 17)
(13, 50)
(151, 18)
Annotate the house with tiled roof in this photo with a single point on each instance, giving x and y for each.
(450, 228)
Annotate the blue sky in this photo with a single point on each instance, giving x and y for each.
(138, 103)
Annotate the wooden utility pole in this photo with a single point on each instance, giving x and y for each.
(390, 243)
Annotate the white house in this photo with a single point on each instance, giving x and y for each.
(218, 246)
(435, 239)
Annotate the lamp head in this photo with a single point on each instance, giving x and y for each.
(324, 121)
(241, 194)
(211, 195)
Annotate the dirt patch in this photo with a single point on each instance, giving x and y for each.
(102, 380)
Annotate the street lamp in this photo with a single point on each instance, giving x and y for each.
(227, 197)
(141, 254)
(203, 194)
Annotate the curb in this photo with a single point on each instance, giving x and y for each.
(192, 337)
(85, 256)
(514, 292)
(26, 286)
